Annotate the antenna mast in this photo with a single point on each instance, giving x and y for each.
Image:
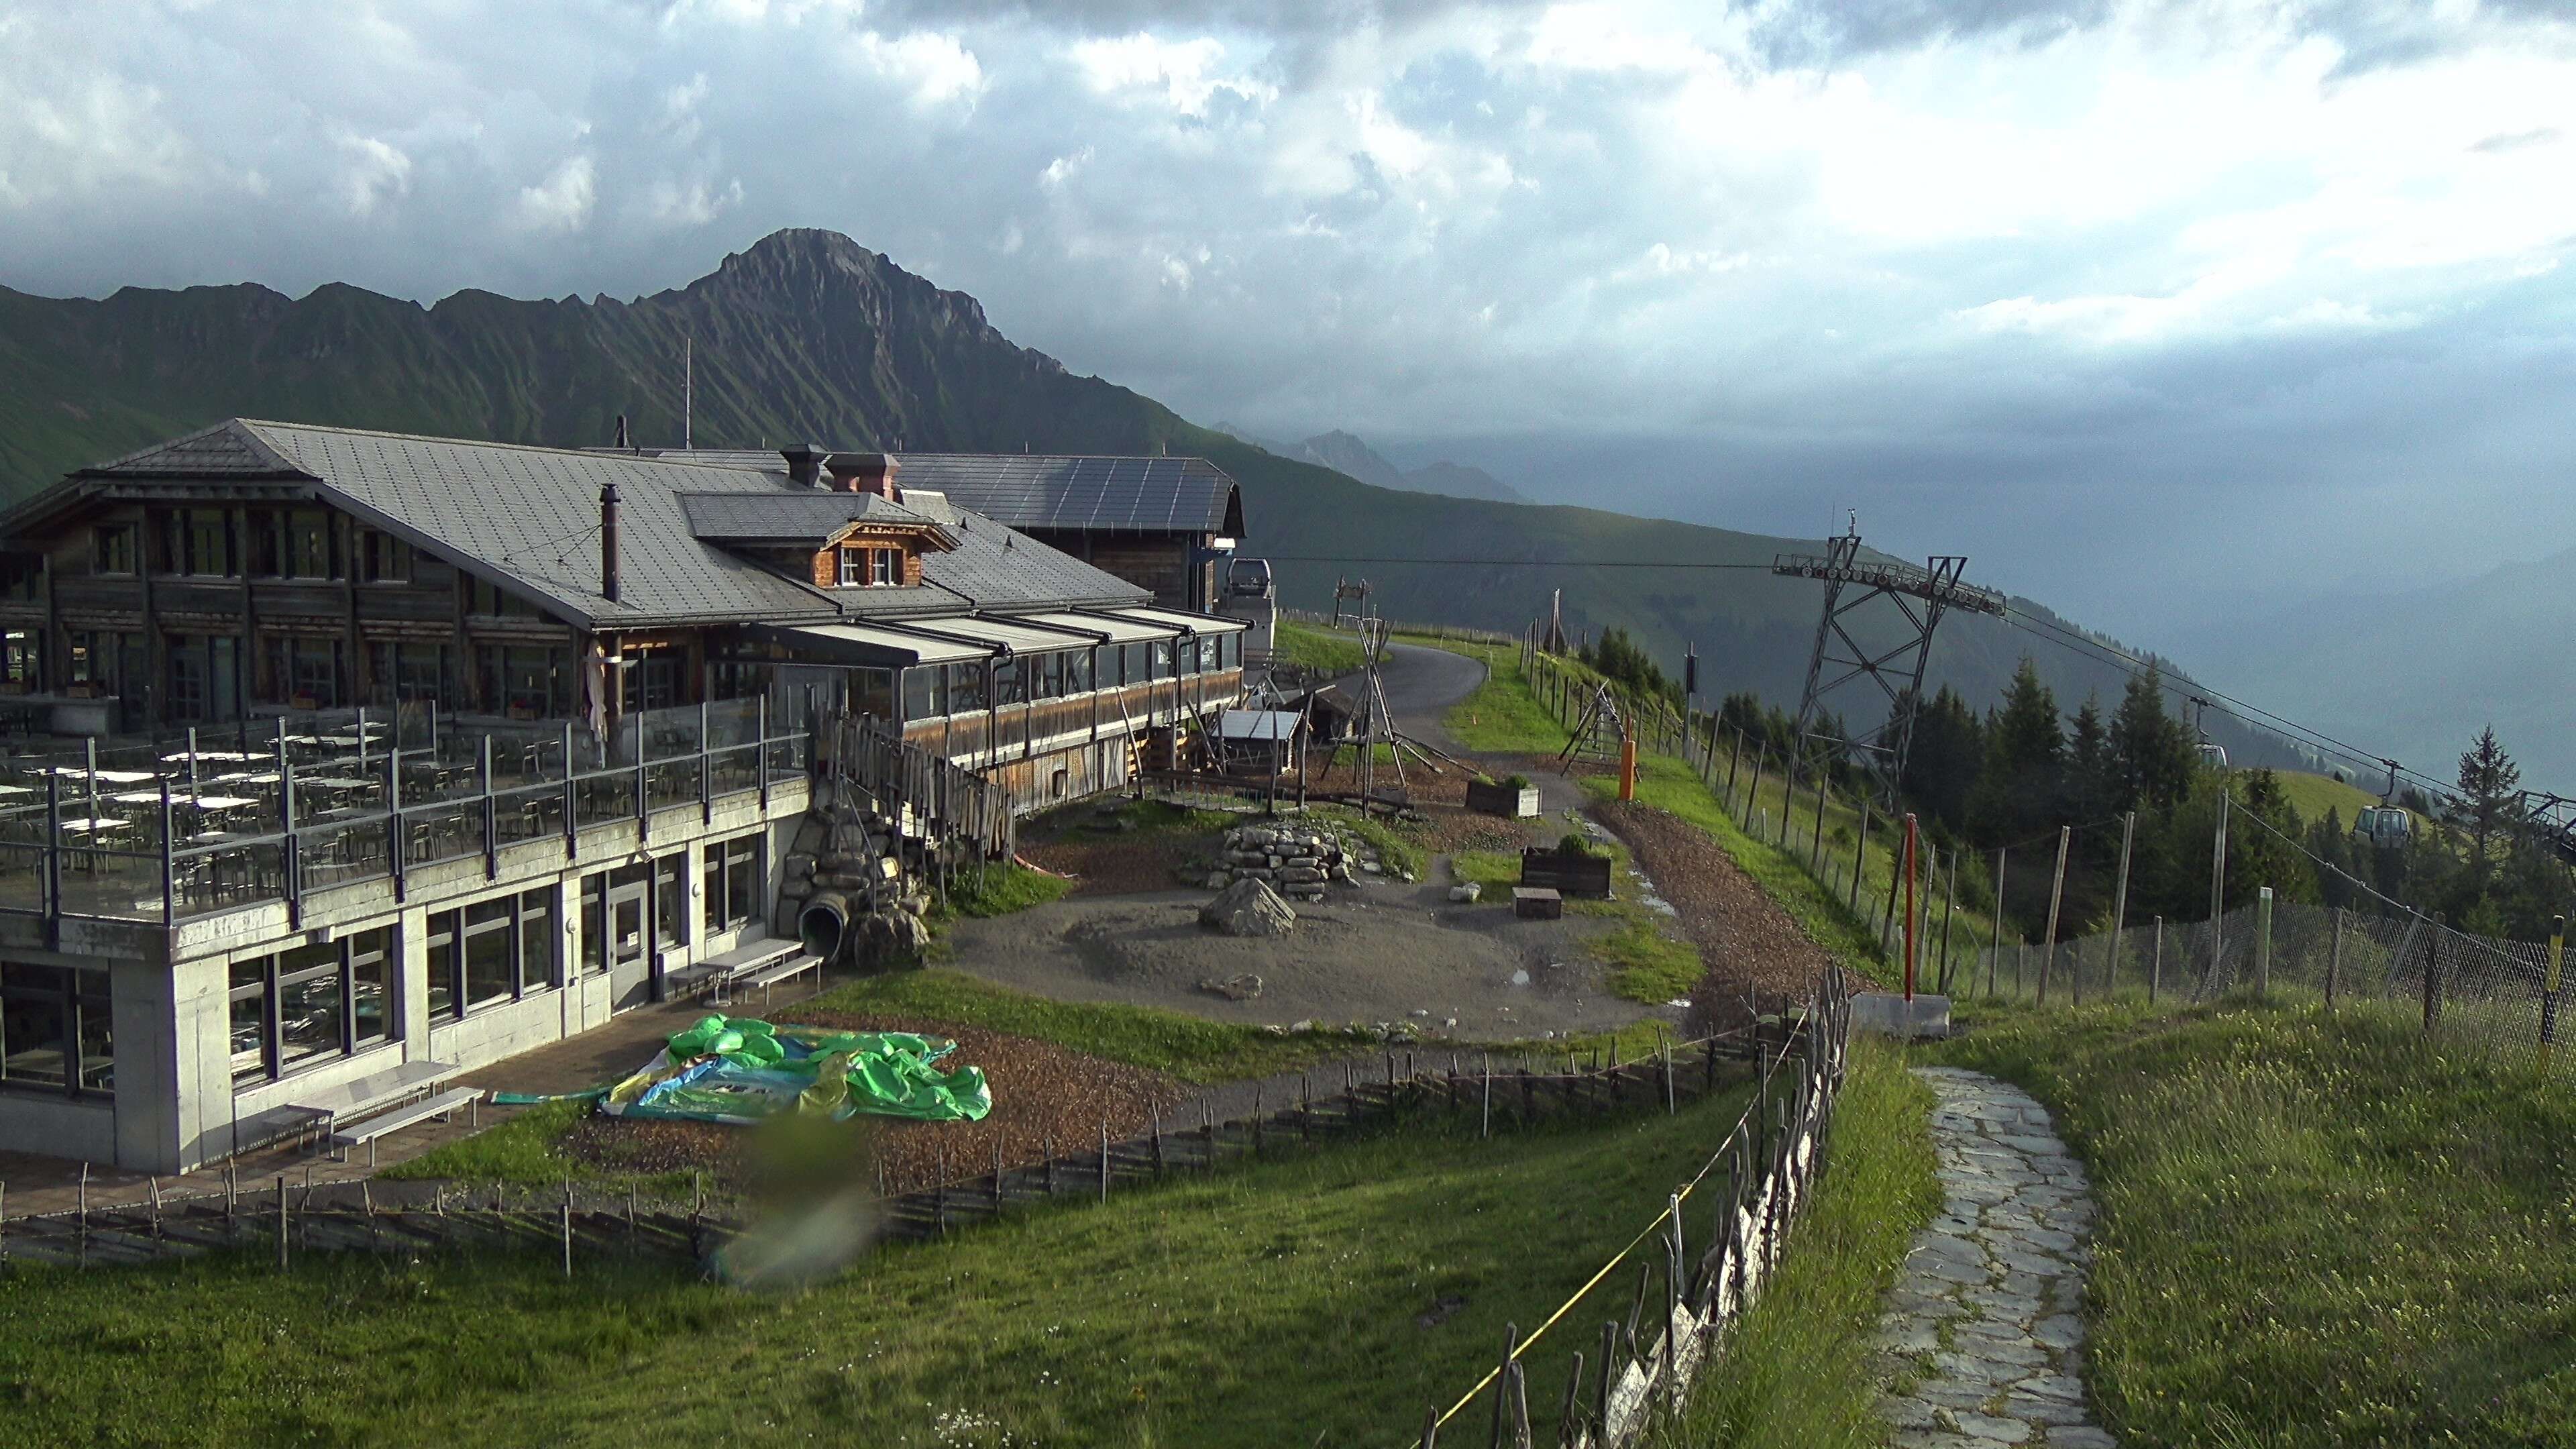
(688, 398)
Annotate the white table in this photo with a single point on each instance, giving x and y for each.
(113, 777)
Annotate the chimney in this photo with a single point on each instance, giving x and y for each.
(804, 464)
(867, 473)
(608, 541)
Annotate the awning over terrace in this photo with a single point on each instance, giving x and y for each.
(1167, 622)
(867, 644)
(1010, 634)
(1120, 630)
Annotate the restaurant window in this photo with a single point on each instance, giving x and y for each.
(490, 952)
(399, 672)
(306, 671)
(1162, 660)
(383, 558)
(1135, 663)
(312, 1003)
(112, 548)
(56, 1031)
(529, 681)
(594, 921)
(925, 692)
(1011, 680)
(1077, 672)
(483, 598)
(872, 692)
(197, 541)
(204, 682)
(671, 901)
(732, 882)
(966, 687)
(22, 660)
(1047, 676)
(296, 544)
(652, 681)
(22, 577)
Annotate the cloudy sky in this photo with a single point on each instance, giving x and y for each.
(2156, 309)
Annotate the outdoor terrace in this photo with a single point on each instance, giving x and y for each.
(173, 829)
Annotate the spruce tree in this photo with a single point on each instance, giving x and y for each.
(2155, 755)
(2017, 793)
(2490, 801)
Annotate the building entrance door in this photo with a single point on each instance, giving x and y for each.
(630, 940)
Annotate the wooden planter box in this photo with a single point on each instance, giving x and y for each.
(1503, 800)
(1572, 875)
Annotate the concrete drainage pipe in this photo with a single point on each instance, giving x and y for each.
(824, 924)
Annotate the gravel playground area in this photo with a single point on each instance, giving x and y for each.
(1371, 954)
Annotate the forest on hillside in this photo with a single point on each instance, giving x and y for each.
(1998, 786)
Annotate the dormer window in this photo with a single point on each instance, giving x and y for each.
(870, 568)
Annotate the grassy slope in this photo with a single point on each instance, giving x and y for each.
(2312, 795)
(2315, 1231)
(1272, 1304)
(1798, 1371)
(1326, 650)
(1502, 716)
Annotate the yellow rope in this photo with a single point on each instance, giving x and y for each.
(1616, 1259)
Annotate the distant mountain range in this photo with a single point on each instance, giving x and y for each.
(808, 335)
(1351, 458)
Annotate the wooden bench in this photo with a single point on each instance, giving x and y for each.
(440, 1106)
(787, 970)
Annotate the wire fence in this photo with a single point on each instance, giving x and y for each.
(2509, 995)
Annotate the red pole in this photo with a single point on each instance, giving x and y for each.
(1909, 907)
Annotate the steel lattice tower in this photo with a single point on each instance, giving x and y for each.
(1916, 596)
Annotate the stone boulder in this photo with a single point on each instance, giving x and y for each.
(1248, 908)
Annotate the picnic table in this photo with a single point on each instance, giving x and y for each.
(113, 777)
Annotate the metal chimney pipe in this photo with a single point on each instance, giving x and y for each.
(608, 541)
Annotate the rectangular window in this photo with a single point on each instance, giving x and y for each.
(197, 541)
(537, 936)
(671, 900)
(652, 680)
(22, 577)
(854, 567)
(885, 567)
(371, 987)
(189, 678)
(925, 692)
(306, 671)
(112, 548)
(1048, 682)
(491, 946)
(966, 692)
(528, 681)
(249, 993)
(56, 1031)
(483, 598)
(1077, 672)
(383, 558)
(594, 921)
(304, 548)
(439, 963)
(1162, 665)
(1011, 681)
(732, 882)
(399, 673)
(311, 998)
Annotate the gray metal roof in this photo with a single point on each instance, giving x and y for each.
(527, 518)
(805, 514)
(1095, 494)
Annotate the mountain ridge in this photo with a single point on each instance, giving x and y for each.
(808, 335)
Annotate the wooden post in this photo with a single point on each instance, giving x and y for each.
(2433, 975)
(1860, 852)
(2056, 893)
(1486, 1127)
(2119, 907)
(1609, 1377)
(2548, 985)
(281, 1222)
(1816, 843)
(2156, 963)
(1502, 1380)
(2021, 948)
(1104, 1159)
(567, 1232)
(1949, 914)
(2263, 943)
(1995, 942)
(2334, 969)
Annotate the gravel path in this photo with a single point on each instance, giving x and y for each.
(1747, 942)
(1986, 1326)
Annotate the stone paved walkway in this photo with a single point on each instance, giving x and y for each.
(1984, 1332)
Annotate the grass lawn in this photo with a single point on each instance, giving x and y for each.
(1797, 1372)
(1316, 647)
(2315, 1230)
(1276, 1304)
(1000, 890)
(1501, 716)
(1654, 964)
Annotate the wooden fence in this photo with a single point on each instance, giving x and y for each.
(578, 1222)
(949, 804)
(1679, 1319)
